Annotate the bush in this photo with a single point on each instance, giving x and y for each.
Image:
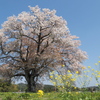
(7, 87)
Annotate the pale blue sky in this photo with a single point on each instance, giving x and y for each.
(83, 17)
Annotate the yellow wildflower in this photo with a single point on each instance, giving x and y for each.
(96, 84)
(98, 61)
(77, 72)
(89, 66)
(98, 76)
(68, 71)
(77, 92)
(63, 87)
(92, 73)
(54, 83)
(63, 65)
(70, 75)
(98, 72)
(73, 79)
(58, 86)
(51, 76)
(83, 68)
(96, 64)
(69, 92)
(74, 87)
(66, 82)
(40, 93)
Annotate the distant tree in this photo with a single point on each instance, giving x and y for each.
(34, 43)
(4, 86)
(6, 73)
(7, 87)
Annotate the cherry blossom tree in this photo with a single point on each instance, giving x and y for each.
(34, 43)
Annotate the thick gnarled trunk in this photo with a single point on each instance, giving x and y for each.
(31, 82)
(31, 86)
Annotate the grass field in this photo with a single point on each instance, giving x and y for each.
(51, 96)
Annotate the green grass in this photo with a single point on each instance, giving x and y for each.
(50, 96)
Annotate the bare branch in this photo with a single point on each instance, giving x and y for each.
(30, 38)
(19, 74)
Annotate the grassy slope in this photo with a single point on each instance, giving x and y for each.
(50, 96)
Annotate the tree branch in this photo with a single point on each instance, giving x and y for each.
(30, 38)
(19, 74)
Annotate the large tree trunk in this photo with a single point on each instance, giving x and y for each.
(31, 86)
(31, 82)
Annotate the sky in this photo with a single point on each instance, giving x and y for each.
(82, 16)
